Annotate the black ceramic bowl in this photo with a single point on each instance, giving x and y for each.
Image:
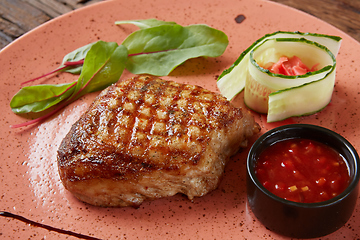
(302, 220)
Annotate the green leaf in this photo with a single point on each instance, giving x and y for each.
(145, 23)
(158, 50)
(75, 56)
(103, 66)
(40, 97)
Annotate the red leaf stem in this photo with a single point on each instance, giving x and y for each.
(62, 105)
(66, 64)
(48, 114)
(80, 62)
(36, 120)
(47, 74)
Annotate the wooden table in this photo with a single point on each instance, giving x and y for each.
(20, 16)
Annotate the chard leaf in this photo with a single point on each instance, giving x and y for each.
(103, 66)
(40, 97)
(158, 50)
(145, 23)
(75, 56)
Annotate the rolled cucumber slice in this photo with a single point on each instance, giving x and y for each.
(300, 101)
(266, 92)
(260, 83)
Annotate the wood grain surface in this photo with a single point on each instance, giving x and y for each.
(343, 14)
(20, 16)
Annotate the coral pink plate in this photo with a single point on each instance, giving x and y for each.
(29, 181)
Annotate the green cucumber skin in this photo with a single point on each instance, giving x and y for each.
(301, 115)
(292, 37)
(257, 97)
(226, 71)
(302, 40)
(330, 75)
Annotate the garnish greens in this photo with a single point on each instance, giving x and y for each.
(156, 49)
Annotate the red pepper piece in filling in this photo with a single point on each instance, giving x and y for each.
(290, 67)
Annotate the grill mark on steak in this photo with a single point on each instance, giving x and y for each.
(145, 125)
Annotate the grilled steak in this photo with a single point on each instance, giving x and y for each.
(146, 138)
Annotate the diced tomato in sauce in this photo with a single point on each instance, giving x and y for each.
(302, 170)
(290, 66)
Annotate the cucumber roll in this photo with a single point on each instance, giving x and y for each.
(284, 74)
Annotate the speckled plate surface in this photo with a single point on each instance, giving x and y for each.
(29, 181)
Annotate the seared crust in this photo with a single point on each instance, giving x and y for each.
(143, 136)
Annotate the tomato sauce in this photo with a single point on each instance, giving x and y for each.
(302, 170)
